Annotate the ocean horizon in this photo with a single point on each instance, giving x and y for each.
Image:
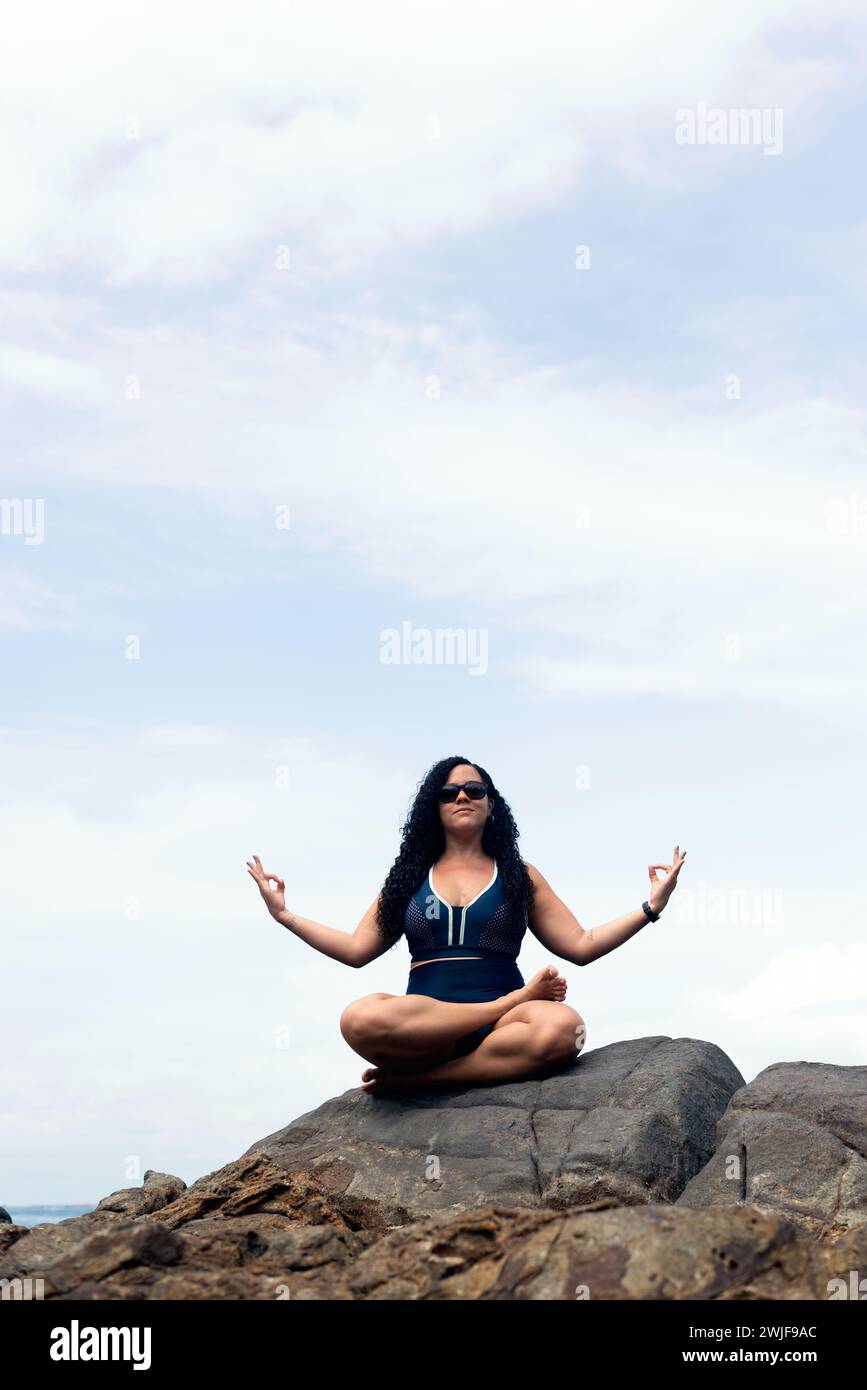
(36, 1215)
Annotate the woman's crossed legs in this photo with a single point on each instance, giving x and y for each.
(411, 1039)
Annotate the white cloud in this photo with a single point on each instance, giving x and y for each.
(655, 543)
(609, 519)
(807, 1002)
(177, 738)
(699, 511)
(725, 681)
(181, 162)
(28, 605)
(828, 975)
(115, 812)
(176, 1018)
(45, 374)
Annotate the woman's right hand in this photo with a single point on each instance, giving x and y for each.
(275, 898)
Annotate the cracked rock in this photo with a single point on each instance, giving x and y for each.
(626, 1124)
(793, 1142)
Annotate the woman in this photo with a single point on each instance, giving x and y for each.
(463, 897)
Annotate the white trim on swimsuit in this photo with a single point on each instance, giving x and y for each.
(464, 907)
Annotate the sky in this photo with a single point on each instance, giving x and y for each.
(325, 331)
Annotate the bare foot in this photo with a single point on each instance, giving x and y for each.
(377, 1081)
(547, 983)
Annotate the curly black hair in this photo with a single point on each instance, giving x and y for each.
(422, 841)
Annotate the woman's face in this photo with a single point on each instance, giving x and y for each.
(464, 813)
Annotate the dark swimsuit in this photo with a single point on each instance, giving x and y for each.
(436, 931)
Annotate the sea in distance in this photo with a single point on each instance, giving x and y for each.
(35, 1216)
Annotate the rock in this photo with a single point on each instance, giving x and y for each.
(31, 1249)
(114, 1255)
(254, 1184)
(505, 1253)
(157, 1190)
(264, 1197)
(231, 1257)
(793, 1142)
(626, 1124)
(235, 1233)
(4, 1215)
(597, 1182)
(494, 1254)
(9, 1234)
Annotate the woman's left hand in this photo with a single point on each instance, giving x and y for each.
(662, 889)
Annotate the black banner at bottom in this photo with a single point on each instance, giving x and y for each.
(67, 1338)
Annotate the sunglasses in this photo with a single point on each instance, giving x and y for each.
(474, 790)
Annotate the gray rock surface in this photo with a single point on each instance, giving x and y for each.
(626, 1124)
(794, 1143)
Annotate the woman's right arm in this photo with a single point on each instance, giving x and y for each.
(352, 948)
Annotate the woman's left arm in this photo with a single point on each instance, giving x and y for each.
(552, 923)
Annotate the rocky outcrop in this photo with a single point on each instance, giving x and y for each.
(26, 1250)
(251, 1193)
(629, 1123)
(296, 1245)
(157, 1190)
(598, 1182)
(793, 1142)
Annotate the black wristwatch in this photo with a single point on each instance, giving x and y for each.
(651, 915)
